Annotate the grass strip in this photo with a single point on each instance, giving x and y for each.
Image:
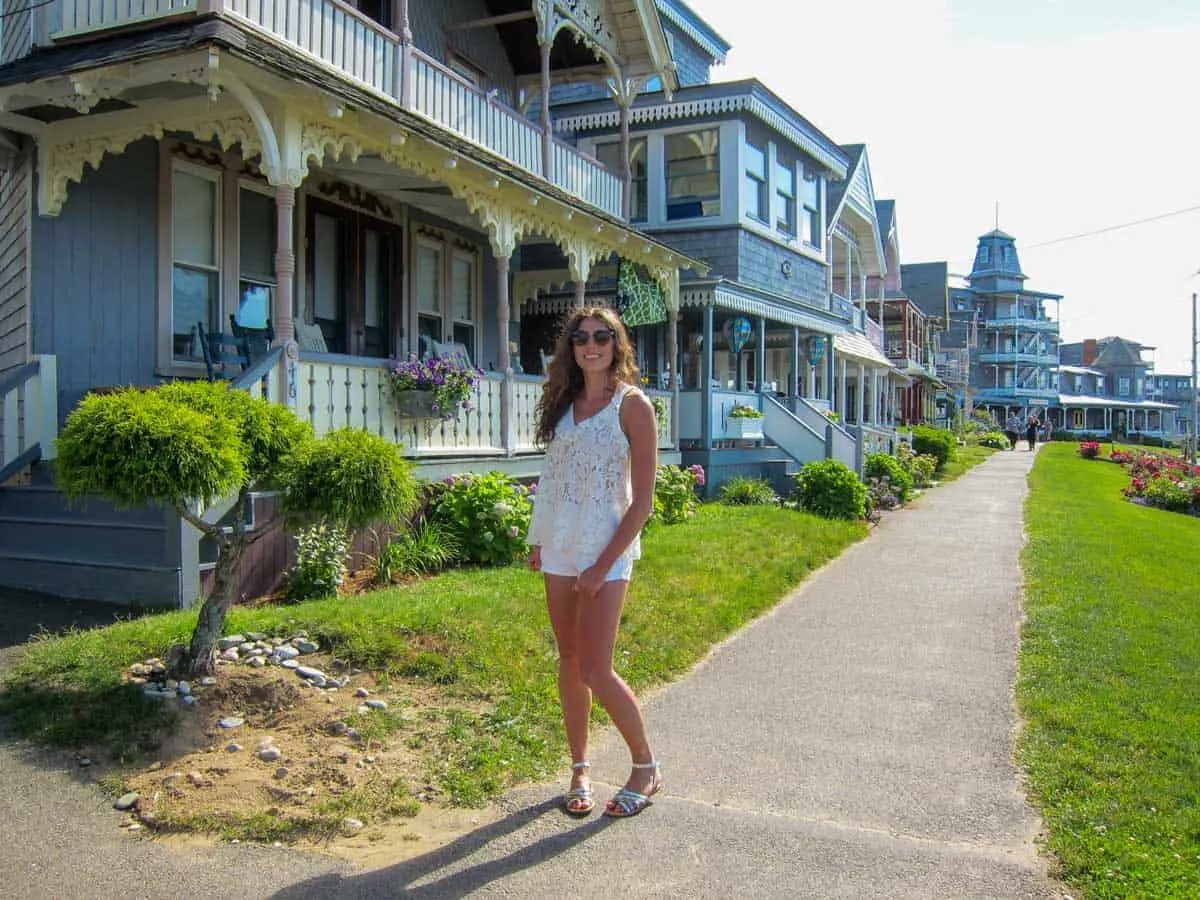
(1109, 682)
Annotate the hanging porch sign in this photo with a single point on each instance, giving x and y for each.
(641, 302)
(814, 349)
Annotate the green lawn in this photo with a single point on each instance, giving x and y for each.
(1110, 681)
(965, 458)
(479, 638)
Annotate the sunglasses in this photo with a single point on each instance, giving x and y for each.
(580, 336)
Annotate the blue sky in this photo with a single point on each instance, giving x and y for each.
(1073, 115)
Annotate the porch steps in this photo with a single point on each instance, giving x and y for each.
(89, 550)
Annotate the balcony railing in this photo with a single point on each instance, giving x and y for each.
(874, 332)
(357, 48)
(1023, 323)
(1012, 357)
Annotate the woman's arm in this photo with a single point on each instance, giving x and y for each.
(641, 428)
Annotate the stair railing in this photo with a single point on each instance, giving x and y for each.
(28, 415)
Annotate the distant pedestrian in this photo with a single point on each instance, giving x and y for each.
(1012, 430)
(1031, 431)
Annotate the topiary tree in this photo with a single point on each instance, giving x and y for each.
(189, 445)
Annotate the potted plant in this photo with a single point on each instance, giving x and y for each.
(745, 422)
(433, 387)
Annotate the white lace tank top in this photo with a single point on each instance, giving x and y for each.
(584, 490)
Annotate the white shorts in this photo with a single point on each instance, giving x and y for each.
(571, 564)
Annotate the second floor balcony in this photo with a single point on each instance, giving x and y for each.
(1023, 323)
(1019, 358)
(355, 48)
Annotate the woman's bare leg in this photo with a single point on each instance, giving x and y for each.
(574, 694)
(598, 619)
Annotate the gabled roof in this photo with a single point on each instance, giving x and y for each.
(837, 190)
(926, 286)
(685, 19)
(885, 214)
(855, 208)
(1117, 352)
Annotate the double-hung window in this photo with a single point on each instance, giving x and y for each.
(693, 172)
(756, 183)
(447, 292)
(1123, 386)
(256, 258)
(609, 155)
(811, 218)
(785, 199)
(195, 256)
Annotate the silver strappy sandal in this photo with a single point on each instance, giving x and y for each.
(626, 803)
(579, 801)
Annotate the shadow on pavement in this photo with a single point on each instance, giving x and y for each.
(24, 614)
(398, 880)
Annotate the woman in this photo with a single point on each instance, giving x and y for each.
(595, 493)
(1031, 431)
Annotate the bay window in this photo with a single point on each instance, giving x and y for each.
(693, 174)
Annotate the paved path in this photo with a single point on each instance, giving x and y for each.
(854, 743)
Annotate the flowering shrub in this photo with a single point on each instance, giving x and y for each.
(1089, 449)
(881, 495)
(1166, 482)
(994, 439)
(891, 471)
(487, 516)
(675, 493)
(744, 412)
(921, 466)
(831, 489)
(451, 381)
(320, 562)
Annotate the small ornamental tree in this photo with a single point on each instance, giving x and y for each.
(191, 445)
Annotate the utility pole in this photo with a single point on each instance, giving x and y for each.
(1195, 387)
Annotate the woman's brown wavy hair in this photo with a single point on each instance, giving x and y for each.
(564, 378)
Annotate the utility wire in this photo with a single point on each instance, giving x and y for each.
(1108, 228)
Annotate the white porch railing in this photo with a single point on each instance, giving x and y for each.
(28, 415)
(356, 47)
(334, 392)
(874, 332)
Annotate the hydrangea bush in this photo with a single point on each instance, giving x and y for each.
(675, 496)
(452, 381)
(487, 516)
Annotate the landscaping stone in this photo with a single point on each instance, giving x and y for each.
(290, 664)
(270, 754)
(234, 748)
(376, 704)
(126, 801)
(232, 722)
(362, 692)
(306, 646)
(233, 640)
(208, 681)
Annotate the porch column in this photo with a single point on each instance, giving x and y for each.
(860, 410)
(842, 390)
(547, 136)
(673, 366)
(830, 371)
(624, 101)
(794, 384)
(706, 381)
(502, 314)
(579, 259)
(760, 376)
(285, 264)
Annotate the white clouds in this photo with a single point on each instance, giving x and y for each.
(1068, 135)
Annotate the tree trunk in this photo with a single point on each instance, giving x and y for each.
(202, 655)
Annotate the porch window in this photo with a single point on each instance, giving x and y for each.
(256, 245)
(463, 299)
(448, 295)
(756, 183)
(693, 172)
(195, 255)
(785, 199)
(811, 219)
(609, 155)
(429, 293)
(1077, 419)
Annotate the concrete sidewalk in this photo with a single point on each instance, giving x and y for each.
(856, 742)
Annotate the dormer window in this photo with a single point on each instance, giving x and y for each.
(693, 171)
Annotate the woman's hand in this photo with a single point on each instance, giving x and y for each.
(535, 558)
(590, 581)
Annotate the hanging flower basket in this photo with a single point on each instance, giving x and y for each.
(432, 387)
(418, 405)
